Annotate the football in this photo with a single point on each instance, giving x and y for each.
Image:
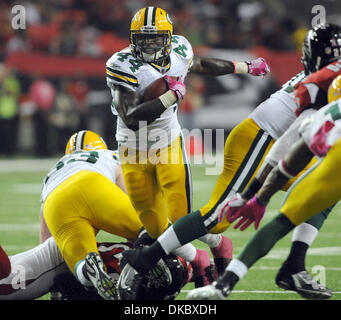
(155, 90)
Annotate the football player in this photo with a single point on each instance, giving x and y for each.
(245, 149)
(316, 190)
(155, 167)
(82, 194)
(41, 269)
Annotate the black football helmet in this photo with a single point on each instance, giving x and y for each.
(163, 282)
(321, 46)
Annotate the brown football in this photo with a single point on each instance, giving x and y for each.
(155, 89)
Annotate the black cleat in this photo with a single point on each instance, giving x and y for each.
(303, 283)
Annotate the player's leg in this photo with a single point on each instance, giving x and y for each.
(69, 219)
(294, 265)
(144, 193)
(244, 151)
(302, 202)
(34, 272)
(174, 178)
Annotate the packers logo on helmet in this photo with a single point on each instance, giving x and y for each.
(334, 91)
(151, 33)
(85, 140)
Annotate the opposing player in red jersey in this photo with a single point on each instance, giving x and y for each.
(322, 58)
(41, 269)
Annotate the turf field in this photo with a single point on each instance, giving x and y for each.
(20, 184)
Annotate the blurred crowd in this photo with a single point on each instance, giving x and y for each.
(58, 107)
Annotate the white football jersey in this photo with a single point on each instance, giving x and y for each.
(277, 113)
(329, 113)
(125, 70)
(102, 161)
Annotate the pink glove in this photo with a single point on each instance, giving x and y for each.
(258, 67)
(318, 144)
(177, 86)
(231, 207)
(252, 211)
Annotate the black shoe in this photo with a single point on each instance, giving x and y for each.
(303, 283)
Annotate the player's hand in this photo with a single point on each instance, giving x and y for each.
(258, 67)
(231, 207)
(318, 144)
(251, 212)
(177, 86)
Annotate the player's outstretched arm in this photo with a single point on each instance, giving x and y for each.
(218, 67)
(294, 162)
(250, 206)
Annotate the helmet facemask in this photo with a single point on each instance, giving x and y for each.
(152, 46)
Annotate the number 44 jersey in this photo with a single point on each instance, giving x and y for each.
(123, 69)
(103, 161)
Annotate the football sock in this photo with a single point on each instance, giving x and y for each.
(302, 238)
(186, 252)
(212, 240)
(296, 259)
(80, 274)
(264, 239)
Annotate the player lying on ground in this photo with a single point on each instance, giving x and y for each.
(245, 149)
(42, 269)
(156, 171)
(316, 190)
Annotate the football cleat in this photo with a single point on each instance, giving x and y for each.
(214, 291)
(304, 284)
(129, 283)
(104, 284)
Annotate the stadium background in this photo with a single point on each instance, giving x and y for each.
(52, 83)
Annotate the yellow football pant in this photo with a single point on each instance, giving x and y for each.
(158, 183)
(83, 204)
(318, 189)
(245, 149)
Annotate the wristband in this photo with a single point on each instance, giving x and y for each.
(168, 99)
(240, 67)
(284, 170)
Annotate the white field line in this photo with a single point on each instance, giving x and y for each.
(34, 226)
(26, 165)
(26, 188)
(263, 291)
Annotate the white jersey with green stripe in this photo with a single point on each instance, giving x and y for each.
(323, 126)
(277, 113)
(123, 69)
(101, 161)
